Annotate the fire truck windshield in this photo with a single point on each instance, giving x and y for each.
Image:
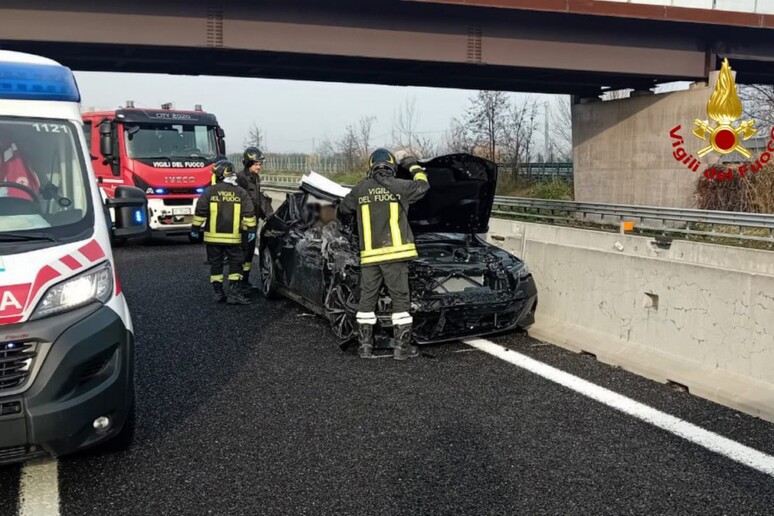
(170, 141)
(44, 192)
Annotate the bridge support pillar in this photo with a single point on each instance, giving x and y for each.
(623, 152)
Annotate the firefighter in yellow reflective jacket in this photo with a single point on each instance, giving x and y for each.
(381, 203)
(225, 211)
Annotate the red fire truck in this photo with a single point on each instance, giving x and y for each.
(164, 152)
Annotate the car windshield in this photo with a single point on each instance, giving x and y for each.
(170, 141)
(44, 193)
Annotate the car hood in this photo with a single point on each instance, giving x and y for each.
(462, 191)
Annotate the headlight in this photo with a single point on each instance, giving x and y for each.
(520, 270)
(93, 285)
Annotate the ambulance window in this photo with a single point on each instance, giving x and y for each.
(43, 182)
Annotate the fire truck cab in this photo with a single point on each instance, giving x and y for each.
(164, 152)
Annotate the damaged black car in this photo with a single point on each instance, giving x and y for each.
(461, 286)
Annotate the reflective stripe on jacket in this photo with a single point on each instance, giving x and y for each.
(381, 205)
(225, 210)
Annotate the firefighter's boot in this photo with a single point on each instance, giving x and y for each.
(401, 325)
(235, 295)
(247, 288)
(219, 295)
(366, 340)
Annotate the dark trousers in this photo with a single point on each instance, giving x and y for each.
(395, 277)
(217, 254)
(248, 249)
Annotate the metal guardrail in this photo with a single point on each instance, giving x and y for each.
(707, 223)
(537, 171)
(542, 171)
(751, 227)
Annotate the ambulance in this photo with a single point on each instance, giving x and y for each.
(66, 336)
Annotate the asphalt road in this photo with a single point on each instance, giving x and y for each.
(254, 410)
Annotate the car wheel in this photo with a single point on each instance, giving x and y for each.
(268, 275)
(340, 306)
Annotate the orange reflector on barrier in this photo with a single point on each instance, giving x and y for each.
(627, 225)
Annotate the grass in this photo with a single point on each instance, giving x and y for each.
(554, 189)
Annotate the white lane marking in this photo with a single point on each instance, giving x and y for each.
(39, 489)
(697, 435)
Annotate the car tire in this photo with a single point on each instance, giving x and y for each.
(268, 275)
(118, 242)
(340, 307)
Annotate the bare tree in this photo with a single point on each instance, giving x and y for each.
(519, 129)
(255, 137)
(758, 101)
(458, 138)
(561, 127)
(404, 125)
(405, 134)
(487, 116)
(424, 147)
(364, 135)
(349, 148)
(326, 149)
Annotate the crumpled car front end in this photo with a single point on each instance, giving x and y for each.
(460, 287)
(463, 287)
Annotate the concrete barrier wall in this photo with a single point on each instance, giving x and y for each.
(696, 314)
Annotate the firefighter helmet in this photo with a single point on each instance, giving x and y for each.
(252, 155)
(223, 169)
(383, 159)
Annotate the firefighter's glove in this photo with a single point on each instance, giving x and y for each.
(411, 164)
(250, 237)
(195, 234)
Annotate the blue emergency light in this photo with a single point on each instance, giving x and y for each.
(139, 216)
(200, 189)
(160, 191)
(28, 81)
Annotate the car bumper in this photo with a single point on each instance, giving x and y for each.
(83, 369)
(170, 219)
(436, 321)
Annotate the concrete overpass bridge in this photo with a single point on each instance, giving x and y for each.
(575, 47)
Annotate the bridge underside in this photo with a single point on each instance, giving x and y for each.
(407, 43)
(286, 65)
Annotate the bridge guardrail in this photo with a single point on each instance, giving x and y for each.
(679, 221)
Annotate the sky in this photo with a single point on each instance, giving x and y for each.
(294, 115)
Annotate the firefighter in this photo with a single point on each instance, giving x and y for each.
(249, 179)
(386, 244)
(227, 211)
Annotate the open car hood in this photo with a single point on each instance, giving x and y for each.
(462, 191)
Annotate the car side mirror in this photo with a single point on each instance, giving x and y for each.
(131, 212)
